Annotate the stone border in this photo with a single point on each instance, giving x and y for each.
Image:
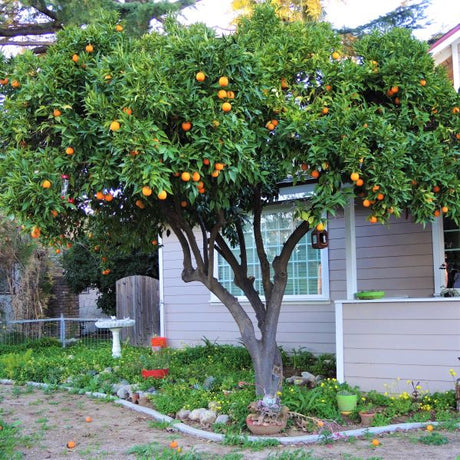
(217, 437)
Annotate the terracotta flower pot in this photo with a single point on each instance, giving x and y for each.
(367, 418)
(266, 429)
(155, 373)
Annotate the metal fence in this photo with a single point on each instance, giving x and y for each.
(66, 330)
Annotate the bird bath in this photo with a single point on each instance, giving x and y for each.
(115, 325)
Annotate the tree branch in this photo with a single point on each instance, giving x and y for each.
(40, 6)
(30, 29)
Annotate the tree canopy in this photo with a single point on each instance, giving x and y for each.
(120, 139)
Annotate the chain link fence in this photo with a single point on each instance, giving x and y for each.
(66, 330)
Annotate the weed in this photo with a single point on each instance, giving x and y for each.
(243, 441)
(160, 425)
(433, 439)
(298, 454)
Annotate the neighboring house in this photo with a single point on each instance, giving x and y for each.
(412, 334)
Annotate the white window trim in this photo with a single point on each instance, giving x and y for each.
(437, 237)
(287, 194)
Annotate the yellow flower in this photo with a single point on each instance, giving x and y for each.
(278, 393)
(398, 378)
(452, 372)
(418, 387)
(408, 382)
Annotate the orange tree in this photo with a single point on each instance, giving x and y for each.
(188, 132)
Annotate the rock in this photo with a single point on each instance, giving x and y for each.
(222, 419)
(308, 376)
(182, 414)
(208, 417)
(196, 414)
(124, 392)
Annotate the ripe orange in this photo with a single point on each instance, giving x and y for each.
(423, 82)
(455, 110)
(320, 227)
(284, 84)
(99, 195)
(146, 190)
(354, 176)
(219, 166)
(437, 213)
(328, 87)
(15, 84)
(108, 77)
(71, 444)
(114, 126)
(88, 419)
(444, 209)
(46, 183)
(325, 110)
(183, 204)
(196, 177)
(57, 251)
(270, 126)
(119, 28)
(54, 213)
(186, 126)
(375, 442)
(140, 204)
(373, 219)
(35, 233)
(380, 196)
(69, 151)
(394, 89)
(106, 271)
(162, 195)
(185, 176)
(335, 55)
(173, 444)
(314, 174)
(201, 190)
(359, 183)
(89, 48)
(154, 242)
(429, 428)
(397, 101)
(222, 94)
(200, 184)
(375, 188)
(4, 81)
(223, 81)
(75, 58)
(108, 197)
(133, 153)
(226, 106)
(127, 110)
(206, 161)
(366, 203)
(200, 76)
(57, 113)
(436, 189)
(230, 94)
(304, 166)
(215, 173)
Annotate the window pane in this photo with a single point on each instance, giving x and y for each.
(304, 267)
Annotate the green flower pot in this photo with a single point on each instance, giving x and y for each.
(347, 403)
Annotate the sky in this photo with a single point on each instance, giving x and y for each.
(444, 14)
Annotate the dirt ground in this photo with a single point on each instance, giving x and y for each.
(50, 420)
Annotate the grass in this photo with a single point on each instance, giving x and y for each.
(11, 440)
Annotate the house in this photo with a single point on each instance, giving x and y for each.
(413, 334)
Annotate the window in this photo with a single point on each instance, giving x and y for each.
(452, 253)
(307, 269)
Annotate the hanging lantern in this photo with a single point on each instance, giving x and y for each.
(319, 239)
(64, 185)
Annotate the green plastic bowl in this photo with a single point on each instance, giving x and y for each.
(369, 295)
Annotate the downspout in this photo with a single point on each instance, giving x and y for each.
(161, 286)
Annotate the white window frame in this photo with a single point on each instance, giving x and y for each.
(288, 194)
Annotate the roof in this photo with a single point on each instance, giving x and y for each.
(448, 37)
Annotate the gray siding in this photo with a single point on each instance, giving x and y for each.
(386, 343)
(396, 258)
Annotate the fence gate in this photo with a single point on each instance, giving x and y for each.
(138, 298)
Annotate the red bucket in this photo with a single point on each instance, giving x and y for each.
(158, 342)
(155, 373)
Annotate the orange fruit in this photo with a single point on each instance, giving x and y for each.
(127, 110)
(423, 82)
(304, 166)
(325, 110)
(154, 242)
(320, 227)
(436, 189)
(354, 176)
(196, 177)
(54, 213)
(206, 161)
(429, 428)
(215, 173)
(57, 113)
(328, 87)
(183, 204)
(114, 126)
(389, 93)
(4, 81)
(219, 166)
(186, 126)
(146, 190)
(106, 271)
(397, 101)
(270, 126)
(226, 106)
(185, 176)
(57, 251)
(35, 233)
(46, 184)
(162, 195)
(275, 122)
(223, 81)
(359, 182)
(375, 188)
(99, 195)
(366, 203)
(437, 213)
(284, 84)
(89, 48)
(230, 94)
(140, 204)
(173, 444)
(215, 123)
(320, 423)
(88, 419)
(119, 28)
(373, 219)
(133, 153)
(454, 110)
(394, 89)
(200, 76)
(375, 442)
(15, 84)
(444, 209)
(380, 196)
(108, 197)
(200, 184)
(69, 151)
(75, 58)
(314, 174)
(201, 190)
(222, 94)
(71, 444)
(108, 77)
(335, 55)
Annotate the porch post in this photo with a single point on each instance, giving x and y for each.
(455, 64)
(350, 249)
